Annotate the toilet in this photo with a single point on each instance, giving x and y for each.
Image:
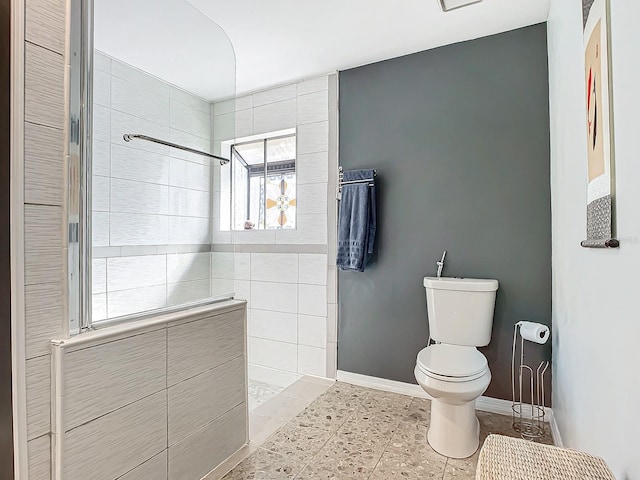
(452, 371)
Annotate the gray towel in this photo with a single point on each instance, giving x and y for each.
(356, 221)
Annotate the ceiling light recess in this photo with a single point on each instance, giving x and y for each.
(448, 5)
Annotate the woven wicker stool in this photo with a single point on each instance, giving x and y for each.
(506, 458)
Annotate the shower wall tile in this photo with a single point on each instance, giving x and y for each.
(313, 107)
(189, 175)
(242, 266)
(274, 95)
(136, 229)
(222, 265)
(139, 102)
(128, 196)
(191, 141)
(189, 203)
(38, 396)
(273, 354)
(100, 194)
(189, 119)
(123, 123)
(188, 267)
(155, 468)
(312, 361)
(43, 165)
(274, 116)
(313, 137)
(101, 155)
(100, 229)
(114, 444)
(101, 88)
(312, 331)
(126, 302)
(277, 297)
(312, 198)
(44, 307)
(101, 61)
(312, 300)
(188, 230)
(185, 292)
(224, 126)
(222, 287)
(278, 313)
(139, 80)
(313, 85)
(135, 370)
(43, 244)
(313, 269)
(98, 307)
(244, 103)
(205, 397)
(273, 325)
(244, 123)
(274, 267)
(101, 123)
(39, 455)
(130, 163)
(133, 272)
(192, 101)
(198, 346)
(45, 23)
(99, 275)
(193, 457)
(312, 168)
(311, 229)
(44, 87)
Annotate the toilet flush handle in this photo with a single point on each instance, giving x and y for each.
(441, 264)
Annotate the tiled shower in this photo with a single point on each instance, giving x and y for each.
(151, 203)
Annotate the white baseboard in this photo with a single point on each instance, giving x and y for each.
(484, 404)
(555, 431)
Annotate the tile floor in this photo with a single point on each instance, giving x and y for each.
(350, 432)
(260, 392)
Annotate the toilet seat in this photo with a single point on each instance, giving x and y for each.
(452, 363)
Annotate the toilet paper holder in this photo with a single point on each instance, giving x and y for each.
(528, 418)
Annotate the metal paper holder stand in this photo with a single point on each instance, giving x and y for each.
(527, 418)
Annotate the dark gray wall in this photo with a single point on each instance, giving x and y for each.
(459, 136)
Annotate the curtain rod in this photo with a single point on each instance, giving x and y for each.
(132, 136)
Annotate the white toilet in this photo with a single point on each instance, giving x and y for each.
(452, 371)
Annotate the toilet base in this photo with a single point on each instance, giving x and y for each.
(454, 430)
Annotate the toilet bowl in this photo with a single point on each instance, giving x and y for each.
(454, 377)
(452, 371)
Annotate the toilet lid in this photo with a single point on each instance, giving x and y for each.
(452, 361)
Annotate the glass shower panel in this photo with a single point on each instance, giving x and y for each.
(158, 67)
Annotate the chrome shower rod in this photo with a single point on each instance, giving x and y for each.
(133, 136)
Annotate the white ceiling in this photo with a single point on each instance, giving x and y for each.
(277, 41)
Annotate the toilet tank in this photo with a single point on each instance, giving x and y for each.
(461, 310)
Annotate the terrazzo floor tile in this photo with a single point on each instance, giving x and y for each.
(353, 432)
(298, 442)
(265, 465)
(396, 465)
(461, 468)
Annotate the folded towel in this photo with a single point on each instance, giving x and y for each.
(356, 221)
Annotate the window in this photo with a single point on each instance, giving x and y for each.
(263, 186)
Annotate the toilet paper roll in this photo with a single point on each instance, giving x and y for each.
(534, 332)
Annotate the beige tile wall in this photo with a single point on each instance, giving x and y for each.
(44, 166)
(171, 397)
